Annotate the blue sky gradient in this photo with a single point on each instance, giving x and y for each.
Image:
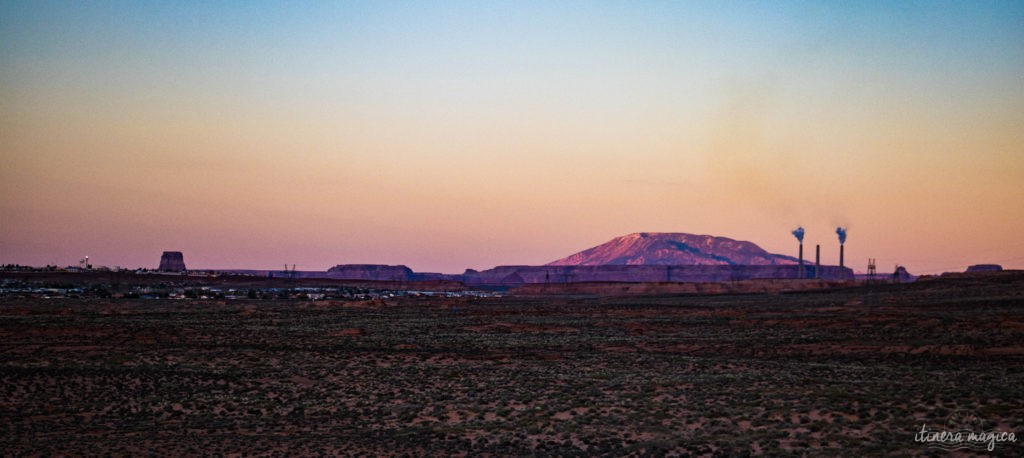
(447, 135)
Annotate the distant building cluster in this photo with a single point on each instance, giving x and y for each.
(49, 289)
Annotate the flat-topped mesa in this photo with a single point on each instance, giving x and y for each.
(172, 261)
(520, 275)
(371, 272)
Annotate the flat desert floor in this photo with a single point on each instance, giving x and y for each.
(850, 372)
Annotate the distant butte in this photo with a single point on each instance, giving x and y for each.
(172, 261)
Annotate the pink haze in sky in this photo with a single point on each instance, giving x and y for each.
(447, 136)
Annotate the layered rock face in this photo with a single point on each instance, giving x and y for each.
(511, 276)
(172, 261)
(373, 272)
(520, 275)
(674, 249)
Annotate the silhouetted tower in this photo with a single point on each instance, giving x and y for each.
(800, 273)
(817, 261)
(841, 232)
(871, 268)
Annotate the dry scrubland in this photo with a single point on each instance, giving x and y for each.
(848, 372)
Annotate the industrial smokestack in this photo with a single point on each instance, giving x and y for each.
(799, 234)
(841, 232)
(800, 273)
(817, 261)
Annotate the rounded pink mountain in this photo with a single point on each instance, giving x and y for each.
(674, 249)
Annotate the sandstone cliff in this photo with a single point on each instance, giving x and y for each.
(375, 272)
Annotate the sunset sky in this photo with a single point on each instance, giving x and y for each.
(453, 135)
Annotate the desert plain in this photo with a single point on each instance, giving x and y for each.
(843, 371)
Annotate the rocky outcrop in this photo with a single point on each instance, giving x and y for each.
(902, 276)
(520, 275)
(374, 272)
(172, 261)
(655, 288)
(674, 249)
(985, 268)
(513, 276)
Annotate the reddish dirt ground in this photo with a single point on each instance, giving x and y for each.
(847, 371)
